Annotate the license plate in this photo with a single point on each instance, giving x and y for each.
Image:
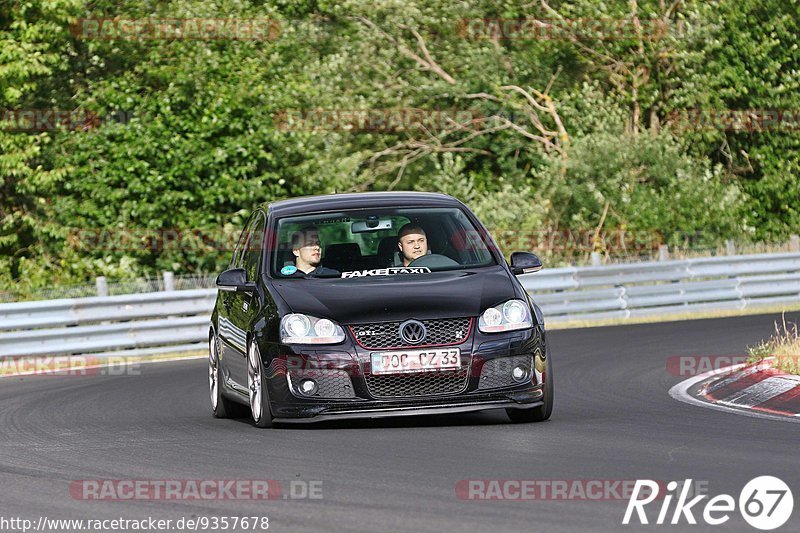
(415, 360)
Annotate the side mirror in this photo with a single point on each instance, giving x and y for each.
(524, 263)
(235, 280)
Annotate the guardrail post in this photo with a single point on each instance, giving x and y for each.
(794, 243)
(595, 258)
(169, 281)
(663, 252)
(102, 286)
(730, 247)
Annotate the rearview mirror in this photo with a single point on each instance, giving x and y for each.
(525, 263)
(372, 223)
(235, 280)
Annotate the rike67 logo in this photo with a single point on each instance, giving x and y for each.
(765, 503)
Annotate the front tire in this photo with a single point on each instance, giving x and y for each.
(256, 384)
(543, 412)
(221, 407)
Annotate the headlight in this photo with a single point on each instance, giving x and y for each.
(509, 316)
(304, 329)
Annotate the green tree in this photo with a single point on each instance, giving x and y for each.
(33, 63)
(743, 55)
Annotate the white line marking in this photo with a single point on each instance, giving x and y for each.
(680, 392)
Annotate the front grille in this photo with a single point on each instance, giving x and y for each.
(496, 373)
(417, 383)
(383, 335)
(331, 383)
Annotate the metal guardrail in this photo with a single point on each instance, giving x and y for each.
(137, 323)
(666, 287)
(178, 320)
(167, 281)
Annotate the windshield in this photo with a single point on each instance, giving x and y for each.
(377, 242)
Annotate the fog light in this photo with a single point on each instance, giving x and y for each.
(308, 387)
(521, 373)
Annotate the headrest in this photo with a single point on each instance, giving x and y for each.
(344, 250)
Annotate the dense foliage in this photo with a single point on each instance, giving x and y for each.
(577, 131)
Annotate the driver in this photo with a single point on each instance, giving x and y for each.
(307, 250)
(412, 242)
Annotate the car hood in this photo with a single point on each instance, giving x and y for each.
(383, 298)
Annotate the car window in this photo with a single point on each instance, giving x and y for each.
(238, 252)
(255, 246)
(368, 239)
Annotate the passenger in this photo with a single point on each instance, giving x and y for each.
(307, 250)
(412, 242)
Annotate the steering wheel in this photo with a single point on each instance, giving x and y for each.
(433, 261)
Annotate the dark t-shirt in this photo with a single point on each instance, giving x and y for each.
(317, 272)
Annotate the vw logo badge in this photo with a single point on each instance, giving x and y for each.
(413, 331)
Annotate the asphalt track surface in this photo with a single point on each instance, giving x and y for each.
(613, 420)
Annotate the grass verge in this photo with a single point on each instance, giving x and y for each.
(783, 345)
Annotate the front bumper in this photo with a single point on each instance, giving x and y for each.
(387, 412)
(360, 401)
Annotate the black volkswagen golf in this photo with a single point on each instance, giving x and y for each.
(373, 305)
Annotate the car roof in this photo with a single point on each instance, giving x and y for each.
(335, 202)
